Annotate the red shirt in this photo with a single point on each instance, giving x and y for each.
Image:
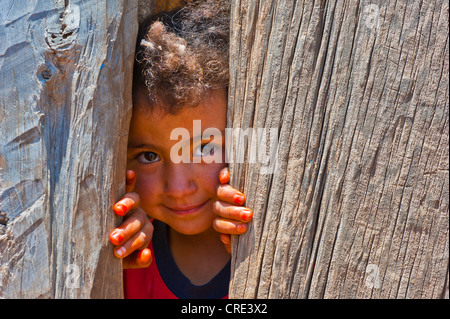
(163, 280)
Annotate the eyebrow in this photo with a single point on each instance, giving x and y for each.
(145, 145)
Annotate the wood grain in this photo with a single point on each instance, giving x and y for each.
(358, 205)
(65, 101)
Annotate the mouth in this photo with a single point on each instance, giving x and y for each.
(185, 210)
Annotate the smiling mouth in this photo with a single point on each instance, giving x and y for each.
(184, 210)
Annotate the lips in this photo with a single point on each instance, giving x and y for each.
(184, 210)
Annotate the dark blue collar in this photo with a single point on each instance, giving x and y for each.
(174, 279)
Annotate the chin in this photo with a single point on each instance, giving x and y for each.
(191, 228)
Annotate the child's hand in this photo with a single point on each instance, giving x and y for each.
(233, 218)
(135, 233)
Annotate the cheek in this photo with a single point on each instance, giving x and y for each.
(147, 190)
(209, 176)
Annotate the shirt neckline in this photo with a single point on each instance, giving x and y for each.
(175, 280)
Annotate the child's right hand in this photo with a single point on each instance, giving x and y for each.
(135, 234)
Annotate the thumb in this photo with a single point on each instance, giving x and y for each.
(130, 181)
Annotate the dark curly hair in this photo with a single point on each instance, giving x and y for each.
(180, 55)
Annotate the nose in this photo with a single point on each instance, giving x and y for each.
(179, 182)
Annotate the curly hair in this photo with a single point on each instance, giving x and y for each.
(183, 54)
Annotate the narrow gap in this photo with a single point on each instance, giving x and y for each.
(314, 233)
(329, 264)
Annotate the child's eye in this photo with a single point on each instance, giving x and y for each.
(206, 149)
(147, 157)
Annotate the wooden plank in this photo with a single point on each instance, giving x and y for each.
(358, 204)
(65, 102)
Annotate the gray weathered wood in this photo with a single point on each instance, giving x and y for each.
(358, 205)
(65, 101)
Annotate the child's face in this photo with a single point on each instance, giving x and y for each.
(181, 195)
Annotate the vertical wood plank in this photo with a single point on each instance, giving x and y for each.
(65, 102)
(358, 204)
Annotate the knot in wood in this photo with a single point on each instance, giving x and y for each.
(46, 74)
(62, 28)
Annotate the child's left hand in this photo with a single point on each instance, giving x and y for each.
(233, 217)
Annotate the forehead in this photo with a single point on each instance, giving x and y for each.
(156, 124)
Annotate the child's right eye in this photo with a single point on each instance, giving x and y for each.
(147, 157)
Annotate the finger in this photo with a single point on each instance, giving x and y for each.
(139, 240)
(130, 181)
(231, 227)
(228, 211)
(137, 221)
(128, 203)
(230, 195)
(224, 175)
(138, 259)
(226, 240)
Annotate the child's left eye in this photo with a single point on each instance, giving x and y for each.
(147, 157)
(206, 149)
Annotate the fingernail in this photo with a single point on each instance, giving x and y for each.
(223, 178)
(117, 236)
(239, 199)
(144, 256)
(242, 228)
(246, 215)
(120, 251)
(130, 174)
(120, 209)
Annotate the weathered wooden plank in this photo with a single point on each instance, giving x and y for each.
(65, 101)
(358, 204)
